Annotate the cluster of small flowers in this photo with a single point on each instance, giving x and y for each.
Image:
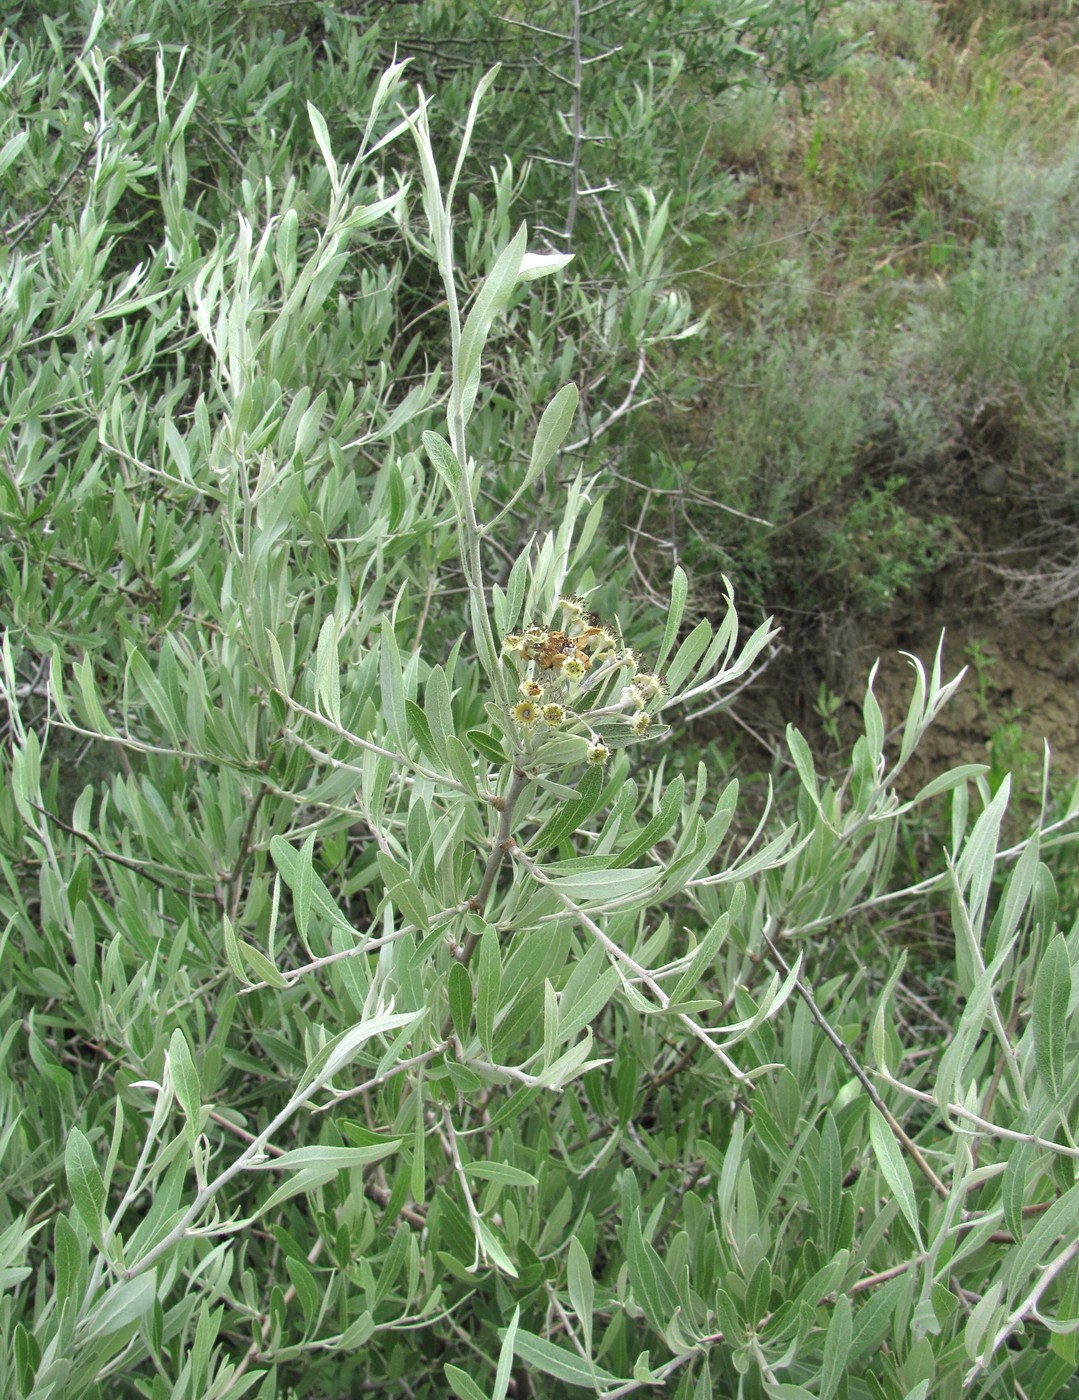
(563, 666)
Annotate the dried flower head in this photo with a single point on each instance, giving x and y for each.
(575, 671)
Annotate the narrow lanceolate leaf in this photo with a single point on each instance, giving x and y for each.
(536, 265)
(659, 827)
(261, 966)
(830, 1182)
(837, 1343)
(688, 654)
(702, 959)
(874, 720)
(493, 1248)
(505, 1358)
(758, 1292)
(393, 690)
(574, 1062)
(322, 137)
(85, 1183)
(1014, 1184)
(651, 1283)
(569, 815)
(950, 1080)
(304, 884)
(328, 671)
(140, 671)
(1057, 1224)
(559, 1362)
(340, 1051)
(983, 1316)
(422, 733)
(459, 989)
(120, 1306)
(894, 1169)
(438, 707)
(327, 1158)
(288, 232)
(11, 149)
(977, 863)
(500, 1172)
(67, 1260)
(491, 300)
(1052, 993)
(875, 1318)
(582, 1289)
(445, 462)
(482, 88)
(233, 955)
(185, 1079)
(308, 890)
(679, 592)
(550, 1023)
(402, 890)
(462, 1384)
(488, 986)
(552, 430)
(591, 885)
(728, 1180)
(585, 1009)
(803, 762)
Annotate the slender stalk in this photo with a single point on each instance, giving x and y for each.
(641, 974)
(254, 1149)
(289, 1296)
(368, 1085)
(233, 881)
(983, 1125)
(454, 1154)
(859, 1073)
(578, 130)
(258, 1147)
(468, 523)
(1028, 1306)
(502, 843)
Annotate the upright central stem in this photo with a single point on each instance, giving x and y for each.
(502, 843)
(468, 522)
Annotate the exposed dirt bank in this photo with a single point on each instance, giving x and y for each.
(1022, 681)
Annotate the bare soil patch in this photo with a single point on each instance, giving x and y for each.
(1022, 683)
